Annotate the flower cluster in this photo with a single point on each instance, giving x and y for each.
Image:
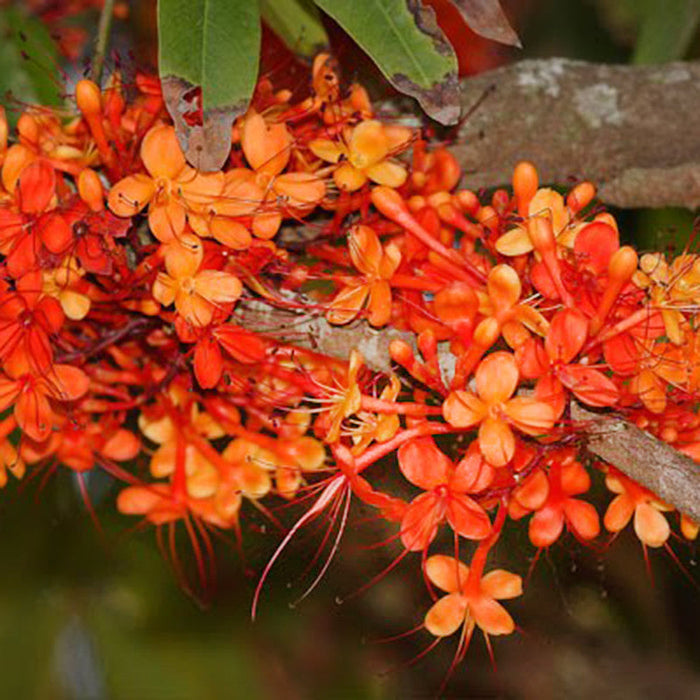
(147, 329)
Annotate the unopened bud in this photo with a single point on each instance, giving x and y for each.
(525, 184)
(580, 197)
(623, 263)
(90, 189)
(88, 97)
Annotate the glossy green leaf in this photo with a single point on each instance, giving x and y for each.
(28, 62)
(297, 23)
(214, 46)
(666, 31)
(404, 40)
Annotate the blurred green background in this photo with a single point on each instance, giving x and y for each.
(89, 616)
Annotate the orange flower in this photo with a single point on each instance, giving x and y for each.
(566, 478)
(446, 487)
(501, 300)
(196, 293)
(471, 600)
(651, 366)
(343, 402)
(545, 203)
(378, 264)
(495, 412)
(170, 188)
(366, 156)
(650, 526)
(30, 394)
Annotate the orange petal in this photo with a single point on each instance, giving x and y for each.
(299, 190)
(582, 517)
(550, 203)
(514, 242)
(379, 304)
(194, 308)
(420, 522)
(139, 500)
(266, 225)
(497, 377)
(266, 146)
(447, 573)
(327, 150)
(651, 526)
(347, 304)
(122, 446)
(463, 409)
(36, 187)
(368, 144)
(501, 584)
(590, 386)
(240, 195)
(387, 173)
(200, 190)
(161, 152)
(619, 513)
(130, 195)
(534, 490)
(349, 178)
(650, 389)
(567, 334)
(423, 464)
(546, 526)
(447, 615)
(472, 474)
(66, 383)
(365, 249)
(491, 616)
(530, 416)
(218, 287)
(496, 442)
(467, 518)
(183, 256)
(231, 233)
(167, 220)
(9, 391)
(34, 415)
(164, 288)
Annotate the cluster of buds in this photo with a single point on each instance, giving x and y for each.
(126, 345)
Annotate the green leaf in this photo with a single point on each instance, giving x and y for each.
(667, 30)
(28, 60)
(297, 23)
(404, 40)
(213, 45)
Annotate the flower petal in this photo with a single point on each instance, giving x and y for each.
(423, 464)
(463, 409)
(131, 194)
(447, 615)
(651, 526)
(501, 584)
(161, 153)
(497, 377)
(496, 442)
(491, 616)
(447, 573)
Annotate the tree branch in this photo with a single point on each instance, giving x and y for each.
(672, 476)
(632, 130)
(652, 463)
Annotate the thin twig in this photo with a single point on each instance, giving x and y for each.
(102, 41)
